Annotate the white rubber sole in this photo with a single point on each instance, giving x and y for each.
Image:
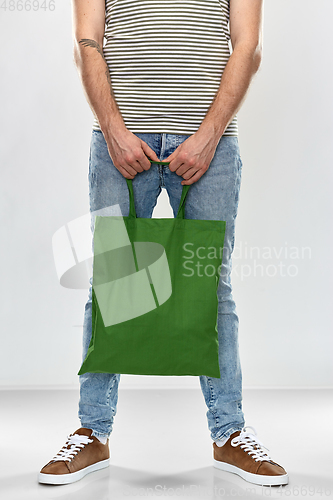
(73, 476)
(252, 478)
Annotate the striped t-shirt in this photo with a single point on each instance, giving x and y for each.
(166, 59)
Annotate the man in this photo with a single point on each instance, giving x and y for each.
(167, 86)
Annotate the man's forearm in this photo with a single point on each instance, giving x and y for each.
(243, 63)
(96, 82)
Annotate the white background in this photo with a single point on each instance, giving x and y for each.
(285, 135)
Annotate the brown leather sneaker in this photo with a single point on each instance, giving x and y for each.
(243, 454)
(81, 454)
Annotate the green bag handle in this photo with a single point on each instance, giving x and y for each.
(181, 209)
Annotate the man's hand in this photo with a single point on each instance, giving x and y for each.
(129, 153)
(192, 158)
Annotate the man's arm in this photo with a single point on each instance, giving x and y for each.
(244, 62)
(127, 151)
(192, 158)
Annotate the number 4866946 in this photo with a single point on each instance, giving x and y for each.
(26, 5)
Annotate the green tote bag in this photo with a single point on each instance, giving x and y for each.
(154, 294)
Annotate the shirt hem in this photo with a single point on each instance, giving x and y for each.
(165, 130)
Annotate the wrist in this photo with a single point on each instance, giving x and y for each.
(211, 129)
(113, 127)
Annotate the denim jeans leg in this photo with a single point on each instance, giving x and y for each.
(107, 188)
(215, 196)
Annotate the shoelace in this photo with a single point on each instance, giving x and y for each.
(74, 443)
(249, 442)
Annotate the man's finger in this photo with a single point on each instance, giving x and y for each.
(130, 169)
(144, 162)
(174, 164)
(189, 173)
(150, 153)
(137, 166)
(184, 168)
(125, 174)
(193, 179)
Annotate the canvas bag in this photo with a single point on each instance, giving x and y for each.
(154, 294)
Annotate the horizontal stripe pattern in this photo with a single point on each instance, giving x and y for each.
(166, 59)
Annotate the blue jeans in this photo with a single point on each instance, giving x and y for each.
(214, 196)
